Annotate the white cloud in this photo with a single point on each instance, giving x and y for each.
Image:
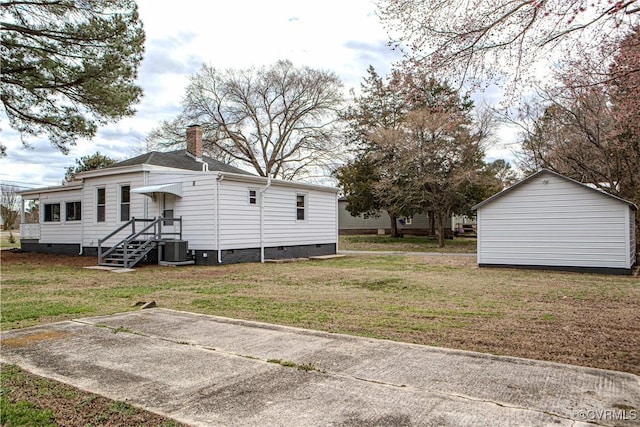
(342, 36)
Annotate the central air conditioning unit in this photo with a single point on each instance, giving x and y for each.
(176, 250)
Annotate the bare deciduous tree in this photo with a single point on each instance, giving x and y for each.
(586, 130)
(280, 120)
(483, 41)
(590, 131)
(9, 205)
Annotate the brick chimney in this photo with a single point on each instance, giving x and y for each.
(194, 141)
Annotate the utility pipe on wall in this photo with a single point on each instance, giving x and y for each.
(218, 180)
(145, 201)
(262, 194)
(81, 223)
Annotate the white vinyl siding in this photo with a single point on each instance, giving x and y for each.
(60, 231)
(196, 207)
(283, 229)
(240, 224)
(94, 229)
(550, 221)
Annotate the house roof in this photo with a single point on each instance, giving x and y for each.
(259, 180)
(179, 159)
(66, 187)
(550, 172)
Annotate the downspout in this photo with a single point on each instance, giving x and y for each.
(337, 225)
(23, 216)
(262, 193)
(218, 180)
(479, 239)
(145, 201)
(82, 225)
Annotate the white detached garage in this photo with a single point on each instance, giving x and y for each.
(549, 221)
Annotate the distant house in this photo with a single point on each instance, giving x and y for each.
(182, 206)
(549, 221)
(418, 224)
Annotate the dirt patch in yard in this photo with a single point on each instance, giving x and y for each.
(38, 259)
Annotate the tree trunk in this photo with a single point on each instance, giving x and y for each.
(394, 225)
(441, 227)
(432, 223)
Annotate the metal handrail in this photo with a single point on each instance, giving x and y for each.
(116, 231)
(127, 239)
(157, 235)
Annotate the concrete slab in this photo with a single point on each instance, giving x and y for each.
(210, 371)
(122, 270)
(323, 257)
(111, 269)
(464, 255)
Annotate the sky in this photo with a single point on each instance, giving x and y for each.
(344, 36)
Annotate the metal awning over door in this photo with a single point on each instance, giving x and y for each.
(150, 190)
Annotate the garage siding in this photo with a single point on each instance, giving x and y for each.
(551, 221)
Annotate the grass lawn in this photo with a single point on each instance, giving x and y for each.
(374, 242)
(6, 237)
(29, 400)
(581, 319)
(584, 319)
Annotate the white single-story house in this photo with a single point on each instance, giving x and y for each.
(549, 221)
(182, 207)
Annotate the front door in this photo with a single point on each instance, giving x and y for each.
(168, 207)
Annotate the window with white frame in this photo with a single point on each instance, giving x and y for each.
(125, 202)
(101, 204)
(253, 196)
(301, 207)
(52, 212)
(73, 211)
